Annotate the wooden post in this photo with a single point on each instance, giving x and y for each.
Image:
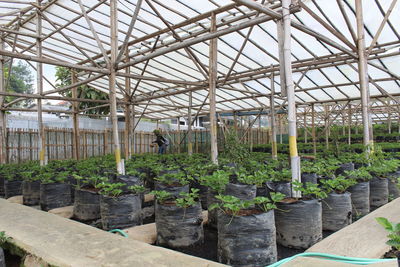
(389, 122)
(343, 124)
(280, 129)
(3, 117)
(326, 120)
(363, 76)
(179, 135)
(294, 157)
(112, 83)
(189, 134)
(39, 80)
(305, 127)
(128, 116)
(314, 139)
(236, 122)
(75, 117)
(213, 83)
(349, 125)
(272, 119)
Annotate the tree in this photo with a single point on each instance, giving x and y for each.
(63, 78)
(20, 81)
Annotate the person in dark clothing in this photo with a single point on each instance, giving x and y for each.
(161, 141)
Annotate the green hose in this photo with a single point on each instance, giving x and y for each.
(351, 260)
(119, 231)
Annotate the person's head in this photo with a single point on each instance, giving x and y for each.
(157, 132)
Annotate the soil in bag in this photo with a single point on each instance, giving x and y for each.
(120, 212)
(309, 178)
(31, 192)
(2, 186)
(248, 240)
(178, 227)
(173, 189)
(55, 195)
(280, 187)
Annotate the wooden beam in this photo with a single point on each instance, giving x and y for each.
(213, 61)
(75, 118)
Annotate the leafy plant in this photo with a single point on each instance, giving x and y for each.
(338, 185)
(394, 233)
(173, 178)
(309, 190)
(284, 175)
(111, 189)
(137, 189)
(162, 196)
(188, 199)
(3, 238)
(235, 151)
(232, 205)
(361, 174)
(217, 181)
(258, 178)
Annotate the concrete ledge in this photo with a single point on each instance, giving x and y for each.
(314, 262)
(364, 238)
(62, 242)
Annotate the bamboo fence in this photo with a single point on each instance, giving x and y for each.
(22, 144)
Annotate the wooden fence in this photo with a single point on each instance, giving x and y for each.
(22, 144)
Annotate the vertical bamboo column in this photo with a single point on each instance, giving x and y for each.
(389, 122)
(179, 135)
(212, 83)
(236, 122)
(189, 133)
(3, 117)
(326, 120)
(112, 81)
(280, 129)
(75, 117)
(305, 127)
(349, 126)
(128, 116)
(273, 123)
(363, 76)
(314, 139)
(294, 157)
(343, 123)
(39, 80)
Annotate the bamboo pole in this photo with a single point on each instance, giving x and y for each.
(75, 117)
(189, 135)
(363, 76)
(112, 81)
(389, 121)
(3, 117)
(128, 126)
(212, 88)
(305, 128)
(179, 134)
(326, 120)
(294, 157)
(272, 119)
(39, 80)
(314, 139)
(349, 126)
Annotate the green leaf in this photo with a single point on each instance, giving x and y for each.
(385, 223)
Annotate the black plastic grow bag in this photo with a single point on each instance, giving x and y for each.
(336, 211)
(360, 199)
(178, 227)
(55, 195)
(86, 205)
(241, 191)
(247, 240)
(120, 212)
(31, 192)
(299, 224)
(12, 188)
(379, 192)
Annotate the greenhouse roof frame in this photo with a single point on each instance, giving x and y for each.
(163, 50)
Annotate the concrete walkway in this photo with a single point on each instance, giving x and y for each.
(62, 242)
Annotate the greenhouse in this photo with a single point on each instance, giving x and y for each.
(199, 133)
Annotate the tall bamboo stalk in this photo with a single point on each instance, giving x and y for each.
(212, 88)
